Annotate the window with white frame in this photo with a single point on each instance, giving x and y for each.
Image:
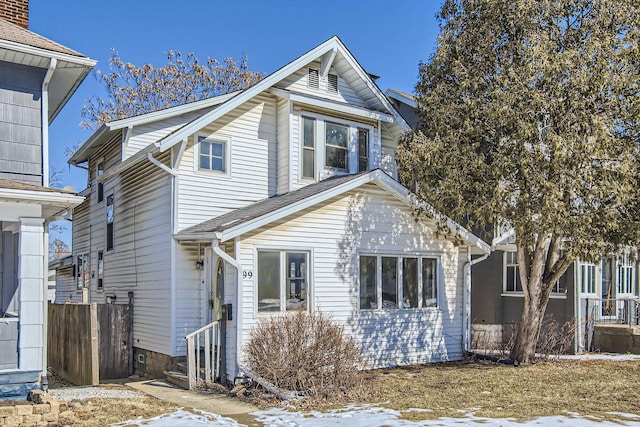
(212, 154)
(511, 276)
(337, 141)
(99, 173)
(587, 277)
(109, 223)
(283, 280)
(83, 273)
(363, 150)
(308, 147)
(336, 146)
(626, 275)
(391, 282)
(100, 269)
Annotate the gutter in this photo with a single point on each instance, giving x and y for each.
(44, 111)
(466, 298)
(238, 311)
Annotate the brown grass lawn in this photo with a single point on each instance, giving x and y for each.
(589, 388)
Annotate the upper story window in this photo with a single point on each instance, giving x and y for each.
(109, 223)
(83, 271)
(334, 144)
(308, 147)
(363, 150)
(337, 146)
(100, 269)
(212, 154)
(99, 172)
(391, 282)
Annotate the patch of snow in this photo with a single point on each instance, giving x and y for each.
(182, 418)
(365, 416)
(616, 357)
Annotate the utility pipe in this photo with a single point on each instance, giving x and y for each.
(215, 246)
(466, 297)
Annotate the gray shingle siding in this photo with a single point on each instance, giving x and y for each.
(20, 123)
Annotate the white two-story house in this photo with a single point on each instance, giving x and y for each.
(277, 198)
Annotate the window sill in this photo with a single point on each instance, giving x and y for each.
(396, 310)
(521, 295)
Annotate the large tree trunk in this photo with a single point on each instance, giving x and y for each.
(524, 348)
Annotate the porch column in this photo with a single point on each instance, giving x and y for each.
(31, 280)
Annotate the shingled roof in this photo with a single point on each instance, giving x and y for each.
(266, 206)
(10, 184)
(17, 34)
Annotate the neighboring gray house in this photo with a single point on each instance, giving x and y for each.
(37, 77)
(261, 202)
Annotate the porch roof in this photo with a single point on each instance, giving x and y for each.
(240, 221)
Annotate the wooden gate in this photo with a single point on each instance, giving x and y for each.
(88, 343)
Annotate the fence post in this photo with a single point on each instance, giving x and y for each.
(95, 362)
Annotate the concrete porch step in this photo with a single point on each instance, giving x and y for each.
(177, 378)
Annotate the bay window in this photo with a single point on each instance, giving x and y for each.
(391, 282)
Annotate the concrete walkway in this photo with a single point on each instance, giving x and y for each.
(205, 401)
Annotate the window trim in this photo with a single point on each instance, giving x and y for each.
(83, 271)
(400, 256)
(226, 141)
(283, 251)
(303, 147)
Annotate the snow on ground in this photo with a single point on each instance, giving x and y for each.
(616, 357)
(367, 416)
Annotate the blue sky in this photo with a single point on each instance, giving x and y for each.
(389, 39)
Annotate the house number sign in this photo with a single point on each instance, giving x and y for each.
(247, 274)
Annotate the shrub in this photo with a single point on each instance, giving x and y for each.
(305, 352)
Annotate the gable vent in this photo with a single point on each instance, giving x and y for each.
(313, 81)
(332, 83)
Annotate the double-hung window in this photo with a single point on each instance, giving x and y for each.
(512, 283)
(212, 155)
(99, 172)
(308, 147)
(587, 277)
(336, 146)
(363, 150)
(283, 280)
(100, 269)
(626, 279)
(82, 271)
(390, 282)
(109, 223)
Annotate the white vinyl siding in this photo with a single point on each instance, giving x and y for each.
(283, 131)
(141, 259)
(144, 135)
(251, 132)
(368, 221)
(299, 82)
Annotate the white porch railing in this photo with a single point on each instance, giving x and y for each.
(203, 354)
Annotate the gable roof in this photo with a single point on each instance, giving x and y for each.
(108, 130)
(251, 217)
(334, 44)
(69, 68)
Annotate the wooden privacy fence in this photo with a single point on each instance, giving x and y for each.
(90, 342)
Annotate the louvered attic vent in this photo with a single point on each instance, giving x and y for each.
(332, 83)
(313, 80)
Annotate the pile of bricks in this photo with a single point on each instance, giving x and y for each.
(41, 411)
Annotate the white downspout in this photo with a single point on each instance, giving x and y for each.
(466, 298)
(45, 120)
(238, 311)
